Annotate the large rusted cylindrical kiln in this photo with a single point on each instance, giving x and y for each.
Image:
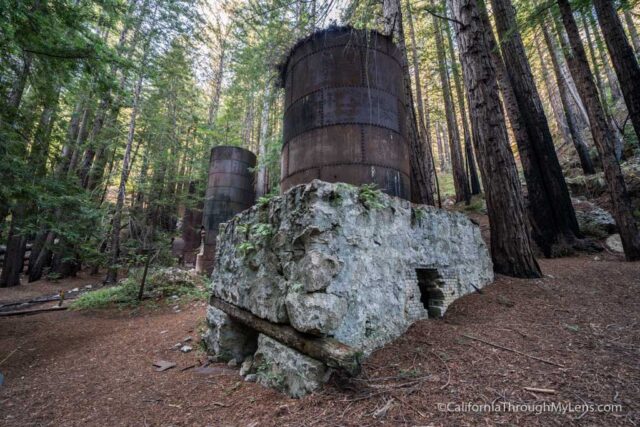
(230, 190)
(345, 116)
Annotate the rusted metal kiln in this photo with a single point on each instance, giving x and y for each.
(345, 118)
(230, 190)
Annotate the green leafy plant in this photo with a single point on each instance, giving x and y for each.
(370, 196)
(244, 248)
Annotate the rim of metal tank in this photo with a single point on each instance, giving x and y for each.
(244, 151)
(282, 66)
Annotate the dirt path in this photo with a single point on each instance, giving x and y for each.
(79, 369)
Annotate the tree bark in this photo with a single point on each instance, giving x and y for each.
(472, 172)
(441, 154)
(460, 181)
(112, 274)
(603, 137)
(261, 175)
(16, 247)
(420, 156)
(570, 112)
(510, 241)
(633, 31)
(554, 222)
(327, 350)
(614, 85)
(217, 88)
(553, 97)
(622, 57)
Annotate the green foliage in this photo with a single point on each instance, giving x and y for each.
(157, 286)
(370, 196)
(244, 248)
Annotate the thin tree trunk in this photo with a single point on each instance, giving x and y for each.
(603, 137)
(510, 241)
(217, 90)
(14, 254)
(261, 176)
(616, 92)
(420, 156)
(441, 154)
(554, 221)
(595, 64)
(472, 172)
(633, 31)
(460, 181)
(112, 274)
(416, 76)
(568, 108)
(14, 99)
(553, 97)
(623, 58)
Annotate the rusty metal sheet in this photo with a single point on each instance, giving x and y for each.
(325, 145)
(224, 179)
(343, 105)
(345, 118)
(229, 191)
(391, 181)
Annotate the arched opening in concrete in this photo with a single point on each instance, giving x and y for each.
(431, 295)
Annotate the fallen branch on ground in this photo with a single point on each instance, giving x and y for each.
(30, 312)
(513, 351)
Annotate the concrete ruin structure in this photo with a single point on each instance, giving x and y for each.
(230, 189)
(320, 277)
(341, 263)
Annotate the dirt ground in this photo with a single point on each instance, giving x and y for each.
(576, 332)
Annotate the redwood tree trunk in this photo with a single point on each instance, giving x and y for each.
(633, 31)
(472, 172)
(460, 181)
(568, 108)
(602, 135)
(554, 220)
(510, 241)
(421, 162)
(622, 57)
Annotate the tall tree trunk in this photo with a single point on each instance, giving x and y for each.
(421, 160)
(603, 137)
(594, 62)
(14, 98)
(553, 219)
(16, 246)
(616, 93)
(39, 261)
(633, 31)
(510, 241)
(214, 103)
(504, 85)
(460, 181)
(553, 96)
(569, 109)
(442, 156)
(261, 176)
(416, 77)
(112, 274)
(622, 57)
(472, 172)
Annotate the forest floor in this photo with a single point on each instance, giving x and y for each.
(577, 332)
